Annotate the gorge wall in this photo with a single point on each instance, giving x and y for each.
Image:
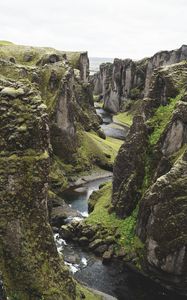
(150, 175)
(127, 79)
(30, 265)
(46, 107)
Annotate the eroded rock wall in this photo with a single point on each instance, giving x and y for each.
(127, 79)
(162, 227)
(129, 169)
(29, 263)
(62, 80)
(158, 163)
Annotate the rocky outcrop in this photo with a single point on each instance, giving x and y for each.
(61, 79)
(166, 82)
(127, 79)
(162, 226)
(158, 161)
(29, 263)
(60, 211)
(129, 169)
(38, 56)
(94, 238)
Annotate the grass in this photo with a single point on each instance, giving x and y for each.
(125, 227)
(94, 149)
(178, 155)
(123, 118)
(18, 52)
(5, 43)
(99, 104)
(161, 118)
(109, 146)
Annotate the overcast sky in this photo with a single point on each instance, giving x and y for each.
(105, 28)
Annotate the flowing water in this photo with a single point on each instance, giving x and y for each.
(110, 128)
(115, 279)
(78, 197)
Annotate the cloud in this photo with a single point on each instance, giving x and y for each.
(115, 28)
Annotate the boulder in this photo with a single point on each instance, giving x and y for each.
(83, 241)
(107, 256)
(95, 244)
(65, 232)
(60, 213)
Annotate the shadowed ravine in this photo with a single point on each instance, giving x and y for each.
(115, 279)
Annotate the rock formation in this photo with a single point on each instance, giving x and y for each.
(30, 264)
(150, 171)
(129, 169)
(128, 79)
(46, 107)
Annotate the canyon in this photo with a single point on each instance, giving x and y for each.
(61, 129)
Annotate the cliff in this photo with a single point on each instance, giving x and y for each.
(150, 175)
(46, 109)
(29, 263)
(128, 79)
(61, 79)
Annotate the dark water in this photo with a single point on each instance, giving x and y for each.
(117, 132)
(115, 279)
(118, 280)
(77, 198)
(106, 116)
(110, 129)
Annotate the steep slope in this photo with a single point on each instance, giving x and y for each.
(29, 261)
(62, 81)
(46, 110)
(159, 168)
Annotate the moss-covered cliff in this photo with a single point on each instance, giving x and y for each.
(61, 79)
(29, 261)
(157, 172)
(46, 111)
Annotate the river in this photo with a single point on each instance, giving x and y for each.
(115, 279)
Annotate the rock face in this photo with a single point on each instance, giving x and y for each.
(129, 169)
(62, 79)
(155, 155)
(162, 226)
(29, 262)
(126, 79)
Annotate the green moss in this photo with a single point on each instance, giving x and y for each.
(161, 118)
(58, 178)
(19, 52)
(149, 170)
(135, 93)
(74, 58)
(50, 96)
(96, 150)
(178, 155)
(82, 290)
(125, 227)
(123, 118)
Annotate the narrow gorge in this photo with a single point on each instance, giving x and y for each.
(93, 176)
